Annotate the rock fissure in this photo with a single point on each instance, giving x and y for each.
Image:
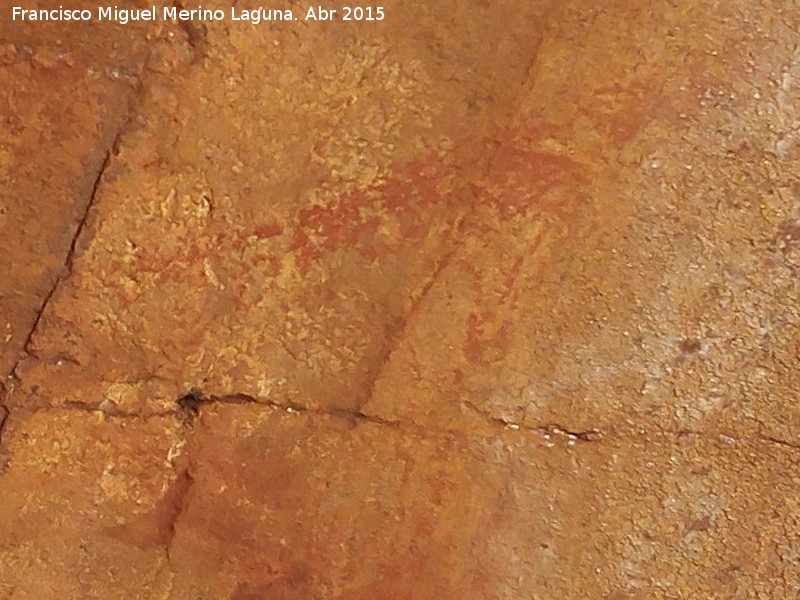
(545, 430)
(66, 270)
(188, 408)
(4, 412)
(780, 442)
(177, 500)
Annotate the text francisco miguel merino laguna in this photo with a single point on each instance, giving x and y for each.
(171, 13)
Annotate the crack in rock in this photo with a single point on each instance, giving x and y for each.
(546, 430)
(176, 501)
(189, 406)
(4, 412)
(190, 403)
(780, 442)
(66, 270)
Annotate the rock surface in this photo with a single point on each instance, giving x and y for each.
(484, 301)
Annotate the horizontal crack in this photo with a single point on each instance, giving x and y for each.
(545, 430)
(190, 403)
(188, 407)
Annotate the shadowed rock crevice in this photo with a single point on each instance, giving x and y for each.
(4, 412)
(174, 504)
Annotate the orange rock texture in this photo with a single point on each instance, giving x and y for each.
(486, 300)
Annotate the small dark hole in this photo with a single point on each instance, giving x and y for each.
(190, 401)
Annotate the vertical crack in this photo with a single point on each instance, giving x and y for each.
(66, 270)
(72, 251)
(4, 412)
(177, 498)
(176, 502)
